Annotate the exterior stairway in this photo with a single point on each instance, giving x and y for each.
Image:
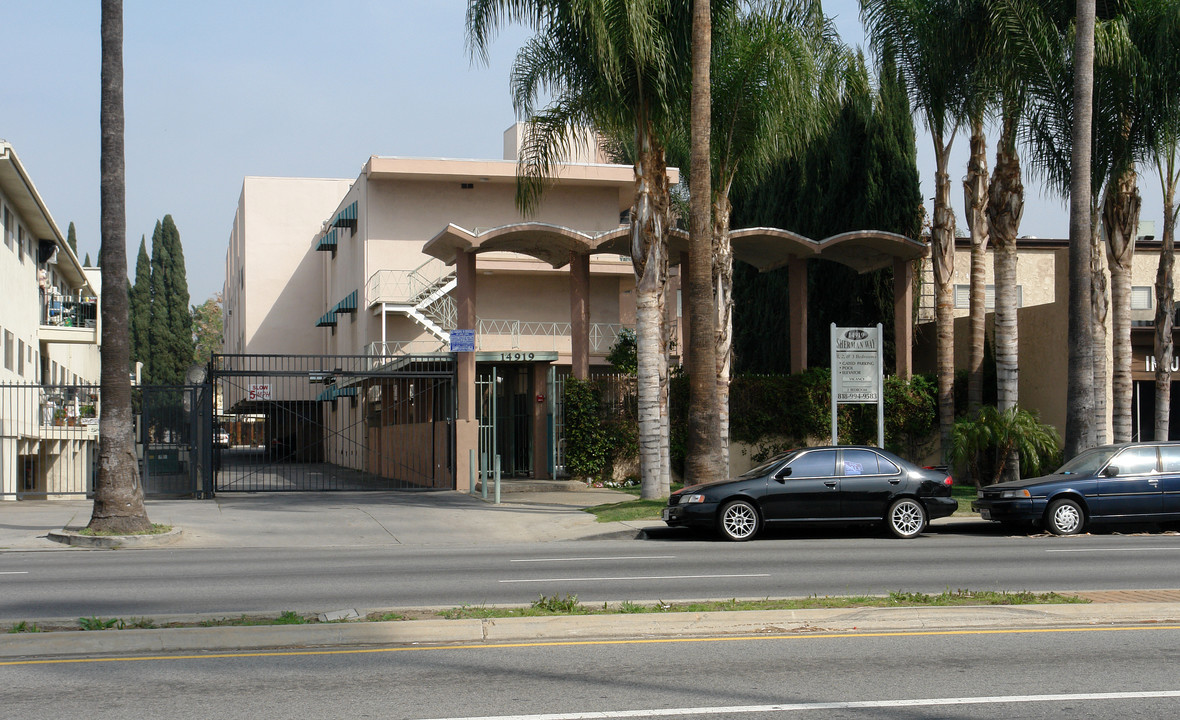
(422, 294)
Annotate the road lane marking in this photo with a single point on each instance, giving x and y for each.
(583, 559)
(1141, 549)
(14, 572)
(839, 705)
(571, 643)
(634, 577)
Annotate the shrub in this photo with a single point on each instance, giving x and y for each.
(983, 443)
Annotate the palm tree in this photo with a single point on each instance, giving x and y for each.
(1052, 57)
(704, 458)
(778, 73)
(915, 33)
(118, 496)
(979, 45)
(618, 66)
(1159, 46)
(1080, 393)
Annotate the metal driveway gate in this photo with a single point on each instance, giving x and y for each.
(333, 422)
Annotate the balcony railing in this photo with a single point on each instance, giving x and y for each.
(56, 312)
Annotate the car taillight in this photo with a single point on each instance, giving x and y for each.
(948, 481)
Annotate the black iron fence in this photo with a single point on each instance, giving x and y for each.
(49, 440)
(333, 422)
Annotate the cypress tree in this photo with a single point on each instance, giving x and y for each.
(140, 307)
(180, 319)
(861, 176)
(159, 363)
(86, 262)
(72, 238)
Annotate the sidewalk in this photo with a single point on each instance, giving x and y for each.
(526, 514)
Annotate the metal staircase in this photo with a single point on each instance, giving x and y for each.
(422, 294)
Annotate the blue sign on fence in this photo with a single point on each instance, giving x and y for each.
(462, 341)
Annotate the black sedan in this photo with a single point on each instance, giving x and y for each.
(846, 484)
(1129, 482)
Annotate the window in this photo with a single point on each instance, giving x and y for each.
(20, 242)
(963, 297)
(1135, 461)
(8, 349)
(1170, 456)
(7, 228)
(20, 358)
(819, 463)
(1141, 297)
(860, 462)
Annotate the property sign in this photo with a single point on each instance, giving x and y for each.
(857, 372)
(259, 391)
(462, 341)
(855, 367)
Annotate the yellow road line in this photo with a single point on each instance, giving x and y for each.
(570, 643)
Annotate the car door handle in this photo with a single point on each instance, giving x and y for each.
(894, 481)
(830, 483)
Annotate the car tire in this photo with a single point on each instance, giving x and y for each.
(906, 518)
(738, 520)
(1065, 517)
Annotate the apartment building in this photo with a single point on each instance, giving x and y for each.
(1042, 295)
(370, 267)
(49, 335)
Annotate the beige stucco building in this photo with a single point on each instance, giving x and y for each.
(1043, 294)
(49, 337)
(383, 266)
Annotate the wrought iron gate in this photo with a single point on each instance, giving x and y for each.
(333, 422)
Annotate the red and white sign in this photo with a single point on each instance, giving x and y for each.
(259, 392)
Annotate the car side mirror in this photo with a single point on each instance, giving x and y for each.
(1111, 471)
(782, 475)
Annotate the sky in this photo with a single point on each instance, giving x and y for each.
(216, 91)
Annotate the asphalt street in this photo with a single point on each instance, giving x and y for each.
(1046, 673)
(228, 581)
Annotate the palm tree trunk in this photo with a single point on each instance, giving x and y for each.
(723, 285)
(975, 202)
(1120, 216)
(1099, 309)
(649, 257)
(118, 496)
(1079, 405)
(1005, 209)
(942, 251)
(1165, 303)
(703, 458)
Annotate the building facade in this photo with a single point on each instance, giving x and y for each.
(372, 267)
(49, 333)
(1042, 295)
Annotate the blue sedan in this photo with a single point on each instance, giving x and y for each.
(1129, 482)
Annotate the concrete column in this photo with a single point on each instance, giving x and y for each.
(9, 467)
(580, 315)
(903, 316)
(466, 423)
(797, 296)
(541, 404)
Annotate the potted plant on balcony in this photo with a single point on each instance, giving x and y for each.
(59, 416)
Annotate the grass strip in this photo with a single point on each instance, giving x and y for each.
(569, 605)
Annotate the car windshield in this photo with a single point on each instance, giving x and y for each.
(1088, 462)
(766, 467)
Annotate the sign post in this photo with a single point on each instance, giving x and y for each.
(857, 373)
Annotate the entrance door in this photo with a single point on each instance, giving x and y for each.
(506, 418)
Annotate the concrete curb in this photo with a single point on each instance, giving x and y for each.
(72, 536)
(586, 628)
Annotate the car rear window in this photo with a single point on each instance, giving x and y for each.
(1170, 458)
